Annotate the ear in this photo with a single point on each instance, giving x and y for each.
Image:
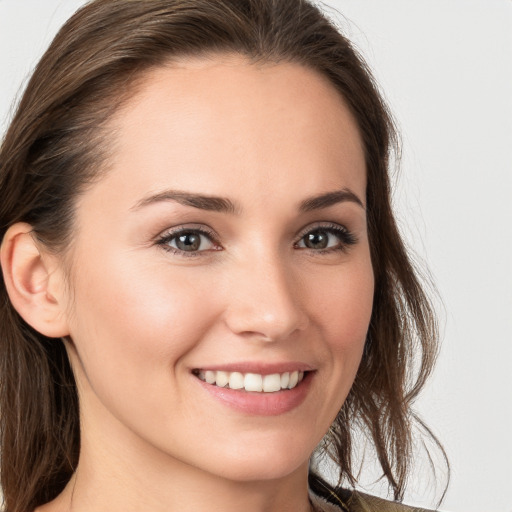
(34, 282)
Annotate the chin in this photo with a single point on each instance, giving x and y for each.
(268, 470)
(263, 462)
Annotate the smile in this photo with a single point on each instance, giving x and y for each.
(252, 382)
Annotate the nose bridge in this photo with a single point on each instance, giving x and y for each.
(265, 301)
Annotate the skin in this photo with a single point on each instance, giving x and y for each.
(140, 318)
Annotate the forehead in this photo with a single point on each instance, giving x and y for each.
(222, 123)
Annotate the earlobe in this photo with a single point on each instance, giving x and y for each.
(33, 287)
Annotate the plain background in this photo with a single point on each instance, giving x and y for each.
(445, 67)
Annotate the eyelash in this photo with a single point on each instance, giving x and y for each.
(166, 239)
(345, 237)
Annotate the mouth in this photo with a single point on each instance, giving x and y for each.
(251, 382)
(257, 389)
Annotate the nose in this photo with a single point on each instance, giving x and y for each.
(265, 301)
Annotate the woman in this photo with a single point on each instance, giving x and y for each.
(203, 283)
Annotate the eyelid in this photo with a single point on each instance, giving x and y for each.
(322, 225)
(166, 236)
(331, 227)
(345, 236)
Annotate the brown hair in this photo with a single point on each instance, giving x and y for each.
(56, 145)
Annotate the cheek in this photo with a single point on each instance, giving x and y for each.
(132, 321)
(345, 309)
(340, 302)
(343, 314)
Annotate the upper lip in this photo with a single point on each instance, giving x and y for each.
(260, 368)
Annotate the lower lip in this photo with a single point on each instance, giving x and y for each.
(261, 404)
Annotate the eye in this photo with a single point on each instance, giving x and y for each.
(327, 238)
(187, 240)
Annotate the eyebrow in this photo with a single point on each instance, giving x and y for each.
(202, 202)
(330, 199)
(225, 205)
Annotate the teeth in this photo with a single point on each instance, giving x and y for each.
(222, 379)
(294, 378)
(236, 380)
(252, 381)
(272, 383)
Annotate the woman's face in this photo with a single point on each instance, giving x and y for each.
(226, 242)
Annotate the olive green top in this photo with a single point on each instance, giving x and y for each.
(354, 501)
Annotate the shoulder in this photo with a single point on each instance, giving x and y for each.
(365, 503)
(354, 501)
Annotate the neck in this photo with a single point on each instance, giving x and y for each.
(178, 488)
(112, 477)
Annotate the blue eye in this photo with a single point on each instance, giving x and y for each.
(187, 241)
(327, 238)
